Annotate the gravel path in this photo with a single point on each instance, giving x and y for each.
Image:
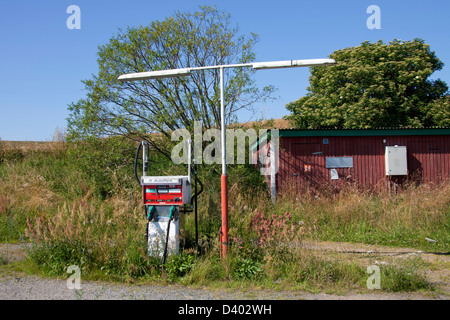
(35, 288)
(24, 287)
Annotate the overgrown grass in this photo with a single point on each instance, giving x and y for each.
(407, 219)
(406, 276)
(2, 260)
(80, 205)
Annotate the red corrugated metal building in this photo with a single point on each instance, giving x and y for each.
(325, 158)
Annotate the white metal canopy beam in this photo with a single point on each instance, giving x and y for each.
(183, 72)
(155, 74)
(292, 63)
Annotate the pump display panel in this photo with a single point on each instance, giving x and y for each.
(166, 190)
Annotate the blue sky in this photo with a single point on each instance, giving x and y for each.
(43, 62)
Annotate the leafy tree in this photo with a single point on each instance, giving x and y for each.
(139, 109)
(375, 85)
(439, 112)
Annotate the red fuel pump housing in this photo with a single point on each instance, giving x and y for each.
(166, 190)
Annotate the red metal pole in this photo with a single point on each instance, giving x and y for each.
(224, 229)
(224, 179)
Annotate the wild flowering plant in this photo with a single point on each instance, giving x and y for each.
(273, 230)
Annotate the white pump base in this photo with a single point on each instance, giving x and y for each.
(157, 233)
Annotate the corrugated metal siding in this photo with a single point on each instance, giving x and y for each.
(428, 160)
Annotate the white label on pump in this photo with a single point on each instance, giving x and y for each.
(160, 180)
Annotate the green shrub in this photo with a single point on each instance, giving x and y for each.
(107, 164)
(179, 265)
(55, 257)
(245, 268)
(136, 262)
(406, 276)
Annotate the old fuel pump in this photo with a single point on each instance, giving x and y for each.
(164, 198)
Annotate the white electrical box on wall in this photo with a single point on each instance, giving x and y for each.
(396, 161)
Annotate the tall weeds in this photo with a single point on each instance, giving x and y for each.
(404, 219)
(109, 236)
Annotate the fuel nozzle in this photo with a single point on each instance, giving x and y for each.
(145, 167)
(151, 213)
(172, 211)
(145, 157)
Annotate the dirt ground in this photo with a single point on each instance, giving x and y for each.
(20, 287)
(437, 264)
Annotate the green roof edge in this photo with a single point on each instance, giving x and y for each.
(355, 133)
(363, 132)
